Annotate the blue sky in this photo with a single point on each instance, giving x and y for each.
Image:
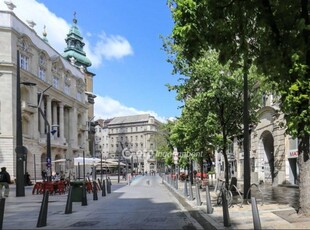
(123, 42)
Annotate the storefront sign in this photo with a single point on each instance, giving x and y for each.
(293, 154)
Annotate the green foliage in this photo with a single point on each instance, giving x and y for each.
(273, 35)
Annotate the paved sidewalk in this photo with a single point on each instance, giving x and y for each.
(23, 212)
(272, 216)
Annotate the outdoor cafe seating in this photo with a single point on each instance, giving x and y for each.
(53, 187)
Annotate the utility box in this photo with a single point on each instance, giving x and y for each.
(77, 191)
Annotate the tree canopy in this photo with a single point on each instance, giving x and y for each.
(272, 35)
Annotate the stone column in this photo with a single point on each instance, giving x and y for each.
(42, 122)
(49, 110)
(36, 115)
(61, 121)
(54, 118)
(73, 126)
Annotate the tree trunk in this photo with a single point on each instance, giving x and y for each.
(225, 159)
(191, 172)
(304, 176)
(201, 168)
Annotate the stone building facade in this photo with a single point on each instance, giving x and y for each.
(132, 138)
(273, 154)
(64, 103)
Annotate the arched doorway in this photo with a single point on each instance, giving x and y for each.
(266, 170)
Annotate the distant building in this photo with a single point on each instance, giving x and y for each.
(132, 138)
(65, 104)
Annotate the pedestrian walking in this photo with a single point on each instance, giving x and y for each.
(5, 180)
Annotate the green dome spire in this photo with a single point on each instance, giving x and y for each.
(75, 46)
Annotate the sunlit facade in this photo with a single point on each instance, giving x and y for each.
(64, 104)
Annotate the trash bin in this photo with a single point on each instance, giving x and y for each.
(77, 191)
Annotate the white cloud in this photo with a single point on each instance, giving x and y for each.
(56, 27)
(106, 107)
(106, 47)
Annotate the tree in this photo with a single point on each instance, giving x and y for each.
(273, 35)
(213, 108)
(163, 143)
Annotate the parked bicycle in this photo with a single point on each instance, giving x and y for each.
(227, 193)
(232, 193)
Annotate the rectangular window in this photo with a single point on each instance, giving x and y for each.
(42, 73)
(67, 89)
(79, 96)
(293, 144)
(55, 82)
(252, 164)
(24, 62)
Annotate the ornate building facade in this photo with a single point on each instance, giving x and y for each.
(62, 80)
(130, 138)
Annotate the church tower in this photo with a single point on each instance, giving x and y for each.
(76, 55)
(74, 50)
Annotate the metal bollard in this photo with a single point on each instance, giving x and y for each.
(109, 185)
(185, 189)
(43, 211)
(216, 185)
(84, 195)
(190, 188)
(68, 209)
(103, 189)
(255, 214)
(198, 200)
(208, 201)
(225, 211)
(95, 195)
(2, 205)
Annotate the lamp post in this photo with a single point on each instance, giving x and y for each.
(84, 165)
(21, 151)
(101, 167)
(246, 138)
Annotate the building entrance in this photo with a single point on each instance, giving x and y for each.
(266, 170)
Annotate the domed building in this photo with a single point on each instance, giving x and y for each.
(55, 97)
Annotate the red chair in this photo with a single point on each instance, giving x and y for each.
(49, 186)
(38, 186)
(61, 187)
(89, 187)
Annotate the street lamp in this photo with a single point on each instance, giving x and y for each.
(21, 151)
